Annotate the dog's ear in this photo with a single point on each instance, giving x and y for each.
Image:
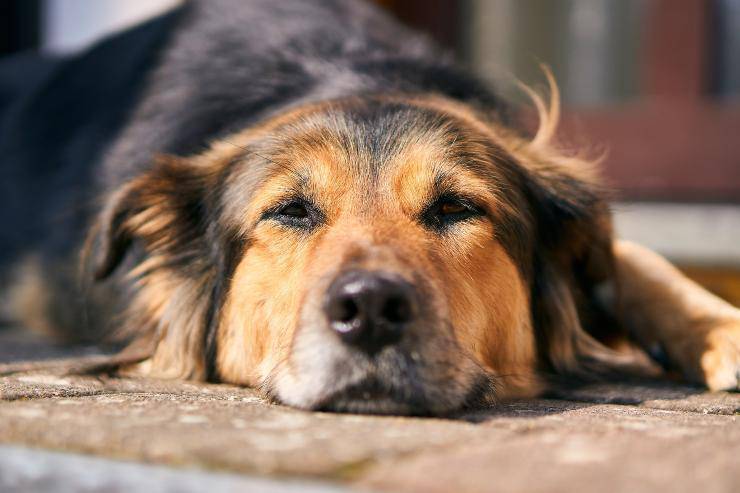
(162, 226)
(572, 256)
(573, 266)
(162, 211)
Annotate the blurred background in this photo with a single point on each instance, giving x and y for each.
(654, 83)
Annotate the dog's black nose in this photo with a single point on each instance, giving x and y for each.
(370, 310)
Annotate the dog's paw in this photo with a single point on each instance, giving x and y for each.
(720, 359)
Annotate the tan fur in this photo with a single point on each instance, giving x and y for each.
(172, 305)
(699, 332)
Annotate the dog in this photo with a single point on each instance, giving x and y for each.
(310, 199)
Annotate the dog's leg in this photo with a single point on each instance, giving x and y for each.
(698, 332)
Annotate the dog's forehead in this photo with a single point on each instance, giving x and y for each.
(376, 145)
(367, 135)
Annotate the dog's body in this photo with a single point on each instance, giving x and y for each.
(365, 232)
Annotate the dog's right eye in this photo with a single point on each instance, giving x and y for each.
(295, 214)
(448, 210)
(294, 209)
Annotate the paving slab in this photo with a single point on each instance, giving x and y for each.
(24, 470)
(614, 437)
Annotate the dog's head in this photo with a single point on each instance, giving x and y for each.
(376, 254)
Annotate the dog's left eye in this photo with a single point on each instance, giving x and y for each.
(450, 208)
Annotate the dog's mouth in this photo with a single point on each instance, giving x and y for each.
(428, 376)
(371, 396)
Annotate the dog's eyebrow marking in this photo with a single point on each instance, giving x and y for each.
(448, 182)
(442, 182)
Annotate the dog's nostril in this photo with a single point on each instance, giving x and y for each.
(346, 310)
(397, 310)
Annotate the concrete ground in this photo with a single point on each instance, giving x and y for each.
(65, 432)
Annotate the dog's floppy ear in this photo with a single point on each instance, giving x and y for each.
(162, 211)
(572, 255)
(572, 258)
(162, 227)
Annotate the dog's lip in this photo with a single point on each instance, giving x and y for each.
(370, 396)
(373, 397)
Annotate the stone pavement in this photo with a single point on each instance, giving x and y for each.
(28, 470)
(614, 438)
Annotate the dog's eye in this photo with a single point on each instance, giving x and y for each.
(297, 213)
(451, 208)
(448, 210)
(294, 209)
